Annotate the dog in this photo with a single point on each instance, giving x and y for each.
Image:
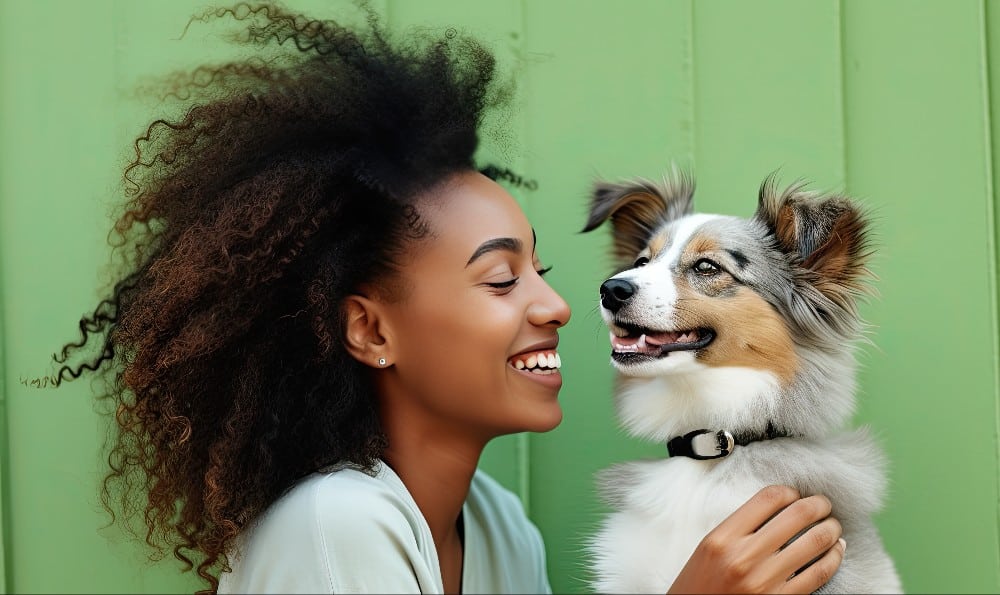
(733, 343)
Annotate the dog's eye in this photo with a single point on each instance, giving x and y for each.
(706, 267)
(640, 262)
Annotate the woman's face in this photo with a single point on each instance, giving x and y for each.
(474, 338)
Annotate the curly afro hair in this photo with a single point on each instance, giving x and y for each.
(286, 184)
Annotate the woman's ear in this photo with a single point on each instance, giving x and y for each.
(365, 331)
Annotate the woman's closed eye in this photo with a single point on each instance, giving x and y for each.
(503, 284)
(509, 284)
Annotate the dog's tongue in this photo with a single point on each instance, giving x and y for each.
(651, 343)
(638, 344)
(664, 338)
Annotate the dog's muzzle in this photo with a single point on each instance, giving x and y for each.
(702, 445)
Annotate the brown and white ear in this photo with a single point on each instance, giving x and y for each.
(637, 209)
(364, 336)
(828, 235)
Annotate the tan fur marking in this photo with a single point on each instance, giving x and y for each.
(749, 332)
(657, 243)
(702, 243)
(785, 227)
(839, 263)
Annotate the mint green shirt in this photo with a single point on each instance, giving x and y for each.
(347, 531)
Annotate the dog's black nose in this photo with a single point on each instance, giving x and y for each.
(615, 292)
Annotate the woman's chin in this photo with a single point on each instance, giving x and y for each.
(547, 420)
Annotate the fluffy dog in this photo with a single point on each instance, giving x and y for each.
(732, 341)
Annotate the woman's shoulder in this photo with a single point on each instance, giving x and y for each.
(344, 497)
(324, 532)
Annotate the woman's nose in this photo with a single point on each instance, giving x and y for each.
(549, 307)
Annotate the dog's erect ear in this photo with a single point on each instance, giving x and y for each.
(828, 235)
(637, 209)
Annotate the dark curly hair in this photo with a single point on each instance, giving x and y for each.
(287, 182)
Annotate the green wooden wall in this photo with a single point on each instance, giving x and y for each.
(895, 102)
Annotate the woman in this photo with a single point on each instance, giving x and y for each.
(326, 312)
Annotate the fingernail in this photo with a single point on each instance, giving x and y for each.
(843, 545)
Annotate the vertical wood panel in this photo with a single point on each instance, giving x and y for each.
(6, 14)
(58, 109)
(608, 95)
(916, 151)
(990, 32)
(768, 96)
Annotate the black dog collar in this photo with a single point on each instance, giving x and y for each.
(711, 444)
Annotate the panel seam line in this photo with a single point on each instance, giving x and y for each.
(991, 239)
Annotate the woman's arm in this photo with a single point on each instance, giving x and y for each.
(747, 552)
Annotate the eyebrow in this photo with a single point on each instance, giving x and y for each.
(508, 244)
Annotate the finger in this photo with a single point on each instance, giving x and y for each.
(819, 573)
(794, 519)
(808, 547)
(766, 503)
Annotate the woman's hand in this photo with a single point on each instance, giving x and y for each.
(746, 553)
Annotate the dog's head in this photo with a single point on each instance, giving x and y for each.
(731, 323)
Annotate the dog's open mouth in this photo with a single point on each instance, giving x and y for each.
(630, 343)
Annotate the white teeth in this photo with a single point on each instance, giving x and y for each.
(539, 363)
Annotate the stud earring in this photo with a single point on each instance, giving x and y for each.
(381, 361)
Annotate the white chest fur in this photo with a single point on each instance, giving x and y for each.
(666, 508)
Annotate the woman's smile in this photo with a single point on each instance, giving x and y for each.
(541, 363)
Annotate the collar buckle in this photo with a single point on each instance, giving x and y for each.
(702, 445)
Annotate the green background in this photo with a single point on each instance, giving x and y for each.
(894, 102)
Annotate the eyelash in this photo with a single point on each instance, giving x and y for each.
(508, 284)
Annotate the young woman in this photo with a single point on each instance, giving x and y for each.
(327, 311)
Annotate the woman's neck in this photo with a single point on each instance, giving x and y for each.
(437, 473)
(437, 476)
